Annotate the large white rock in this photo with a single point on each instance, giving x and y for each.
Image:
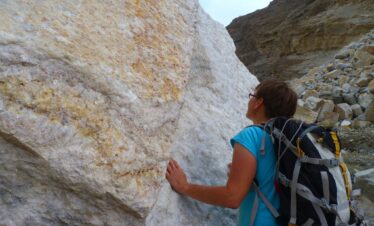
(96, 97)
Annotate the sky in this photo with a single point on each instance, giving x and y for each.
(224, 11)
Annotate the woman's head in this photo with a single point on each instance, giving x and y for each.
(278, 99)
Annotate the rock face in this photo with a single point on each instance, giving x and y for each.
(290, 36)
(95, 98)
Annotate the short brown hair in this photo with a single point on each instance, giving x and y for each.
(279, 99)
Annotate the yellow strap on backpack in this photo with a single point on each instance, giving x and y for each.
(342, 165)
(299, 151)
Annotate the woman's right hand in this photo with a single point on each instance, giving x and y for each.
(176, 177)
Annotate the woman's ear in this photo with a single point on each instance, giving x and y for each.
(259, 102)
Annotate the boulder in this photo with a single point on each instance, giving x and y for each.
(357, 124)
(354, 89)
(369, 48)
(365, 180)
(344, 53)
(338, 99)
(305, 114)
(328, 94)
(310, 93)
(363, 80)
(344, 110)
(356, 110)
(95, 98)
(369, 112)
(371, 86)
(361, 117)
(330, 120)
(362, 58)
(343, 80)
(349, 98)
(333, 74)
(324, 87)
(337, 95)
(326, 107)
(344, 66)
(365, 99)
(346, 87)
(313, 103)
(298, 88)
(329, 67)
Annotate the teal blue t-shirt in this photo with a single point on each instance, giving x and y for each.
(250, 138)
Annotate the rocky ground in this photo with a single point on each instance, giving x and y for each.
(340, 95)
(341, 92)
(359, 157)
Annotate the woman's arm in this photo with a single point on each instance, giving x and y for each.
(243, 171)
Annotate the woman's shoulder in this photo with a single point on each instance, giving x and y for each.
(254, 129)
(249, 134)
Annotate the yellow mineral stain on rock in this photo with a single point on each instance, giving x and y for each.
(170, 90)
(89, 119)
(99, 36)
(142, 69)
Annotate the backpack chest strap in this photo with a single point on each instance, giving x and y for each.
(330, 163)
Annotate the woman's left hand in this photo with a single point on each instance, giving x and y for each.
(176, 177)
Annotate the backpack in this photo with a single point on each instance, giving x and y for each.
(312, 180)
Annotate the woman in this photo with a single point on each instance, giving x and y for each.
(272, 98)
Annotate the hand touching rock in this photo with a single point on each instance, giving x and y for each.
(176, 177)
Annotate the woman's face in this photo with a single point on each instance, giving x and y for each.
(251, 106)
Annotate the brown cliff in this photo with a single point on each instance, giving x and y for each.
(290, 36)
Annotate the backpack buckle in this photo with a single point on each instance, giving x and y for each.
(330, 162)
(304, 158)
(284, 180)
(325, 205)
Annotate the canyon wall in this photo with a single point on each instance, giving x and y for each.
(289, 37)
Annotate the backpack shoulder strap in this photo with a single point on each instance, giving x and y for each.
(267, 203)
(262, 146)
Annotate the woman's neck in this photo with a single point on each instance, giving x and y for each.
(260, 120)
